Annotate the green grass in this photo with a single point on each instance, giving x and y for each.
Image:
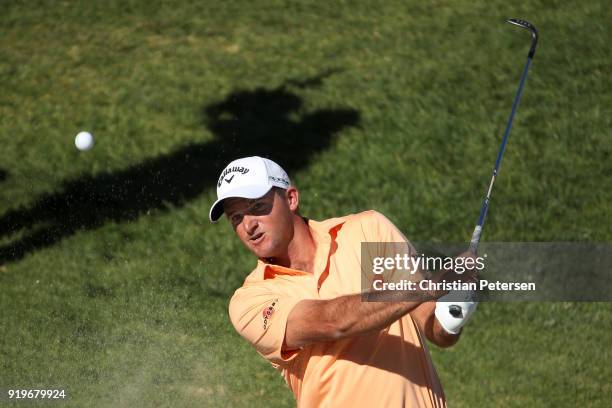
(131, 310)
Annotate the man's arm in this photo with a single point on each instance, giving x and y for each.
(425, 318)
(313, 321)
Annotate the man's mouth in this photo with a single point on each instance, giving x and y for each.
(257, 238)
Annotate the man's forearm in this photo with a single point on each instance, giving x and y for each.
(353, 316)
(314, 321)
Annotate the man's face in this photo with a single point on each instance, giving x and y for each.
(264, 225)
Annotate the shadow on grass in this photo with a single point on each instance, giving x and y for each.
(265, 122)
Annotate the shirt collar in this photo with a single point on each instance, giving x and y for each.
(323, 233)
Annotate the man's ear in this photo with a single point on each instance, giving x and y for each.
(293, 198)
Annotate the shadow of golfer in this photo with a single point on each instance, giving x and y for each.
(266, 122)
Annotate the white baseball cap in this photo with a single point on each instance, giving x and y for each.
(249, 177)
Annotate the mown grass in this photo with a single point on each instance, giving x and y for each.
(400, 108)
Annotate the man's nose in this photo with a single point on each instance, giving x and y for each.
(250, 223)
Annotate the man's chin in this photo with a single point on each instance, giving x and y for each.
(262, 252)
(265, 253)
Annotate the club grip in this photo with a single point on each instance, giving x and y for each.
(475, 239)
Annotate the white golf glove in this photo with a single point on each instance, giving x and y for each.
(454, 309)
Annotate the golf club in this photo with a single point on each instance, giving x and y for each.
(485, 205)
(455, 310)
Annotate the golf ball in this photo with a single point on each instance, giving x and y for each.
(84, 141)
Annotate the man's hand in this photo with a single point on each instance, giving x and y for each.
(454, 309)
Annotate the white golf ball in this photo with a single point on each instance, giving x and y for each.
(84, 141)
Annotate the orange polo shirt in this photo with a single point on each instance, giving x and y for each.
(389, 368)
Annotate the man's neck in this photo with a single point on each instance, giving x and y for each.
(301, 249)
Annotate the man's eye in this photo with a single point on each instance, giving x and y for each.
(260, 208)
(236, 219)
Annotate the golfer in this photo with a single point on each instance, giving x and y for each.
(302, 308)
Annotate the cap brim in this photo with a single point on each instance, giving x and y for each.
(216, 211)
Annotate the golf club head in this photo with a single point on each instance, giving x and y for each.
(528, 26)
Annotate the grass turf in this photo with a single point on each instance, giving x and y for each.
(116, 287)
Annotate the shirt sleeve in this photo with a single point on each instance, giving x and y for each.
(260, 316)
(385, 240)
(378, 228)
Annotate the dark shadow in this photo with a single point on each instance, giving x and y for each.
(3, 175)
(265, 122)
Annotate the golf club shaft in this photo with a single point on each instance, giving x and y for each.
(485, 204)
(456, 310)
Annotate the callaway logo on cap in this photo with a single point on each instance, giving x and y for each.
(249, 177)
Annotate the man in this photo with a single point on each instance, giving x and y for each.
(302, 306)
